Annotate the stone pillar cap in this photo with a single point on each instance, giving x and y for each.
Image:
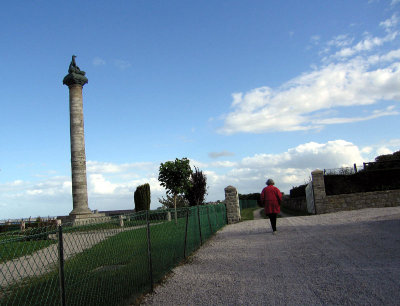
(317, 171)
(229, 188)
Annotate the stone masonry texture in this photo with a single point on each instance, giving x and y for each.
(78, 156)
(334, 203)
(232, 205)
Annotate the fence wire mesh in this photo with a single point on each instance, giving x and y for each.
(109, 263)
(247, 204)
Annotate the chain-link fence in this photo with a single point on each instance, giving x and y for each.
(370, 166)
(247, 204)
(343, 170)
(110, 263)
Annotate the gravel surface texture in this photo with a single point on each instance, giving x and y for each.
(343, 258)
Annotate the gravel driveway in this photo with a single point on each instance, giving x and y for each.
(340, 258)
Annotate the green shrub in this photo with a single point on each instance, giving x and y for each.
(142, 197)
(38, 233)
(299, 191)
(363, 181)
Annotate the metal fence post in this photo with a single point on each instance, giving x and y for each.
(186, 232)
(216, 217)
(198, 217)
(61, 266)
(149, 251)
(209, 222)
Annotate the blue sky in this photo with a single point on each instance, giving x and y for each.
(246, 90)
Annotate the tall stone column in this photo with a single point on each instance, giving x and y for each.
(75, 80)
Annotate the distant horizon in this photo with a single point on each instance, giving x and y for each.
(160, 205)
(246, 91)
(359, 168)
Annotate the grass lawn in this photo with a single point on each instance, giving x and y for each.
(248, 213)
(109, 272)
(115, 269)
(15, 246)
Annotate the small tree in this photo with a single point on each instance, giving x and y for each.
(196, 193)
(174, 176)
(142, 197)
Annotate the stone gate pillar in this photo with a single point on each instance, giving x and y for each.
(232, 205)
(318, 183)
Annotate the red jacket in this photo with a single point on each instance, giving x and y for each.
(271, 198)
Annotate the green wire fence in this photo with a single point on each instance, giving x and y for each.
(243, 204)
(109, 263)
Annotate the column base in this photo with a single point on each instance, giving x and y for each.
(80, 211)
(84, 219)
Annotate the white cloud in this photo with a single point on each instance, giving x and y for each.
(315, 39)
(366, 150)
(340, 41)
(99, 184)
(298, 105)
(305, 102)
(104, 167)
(394, 143)
(16, 183)
(381, 59)
(215, 164)
(394, 2)
(389, 111)
(384, 151)
(223, 164)
(310, 155)
(44, 197)
(122, 64)
(365, 45)
(388, 24)
(97, 61)
(47, 187)
(290, 168)
(385, 146)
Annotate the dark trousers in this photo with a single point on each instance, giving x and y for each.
(272, 219)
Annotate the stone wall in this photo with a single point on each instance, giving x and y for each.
(387, 198)
(232, 205)
(327, 204)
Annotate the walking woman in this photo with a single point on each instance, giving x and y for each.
(271, 198)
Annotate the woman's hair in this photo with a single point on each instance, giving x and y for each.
(270, 182)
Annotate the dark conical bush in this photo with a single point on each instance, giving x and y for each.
(142, 197)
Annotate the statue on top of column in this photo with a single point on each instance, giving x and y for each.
(73, 68)
(75, 74)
